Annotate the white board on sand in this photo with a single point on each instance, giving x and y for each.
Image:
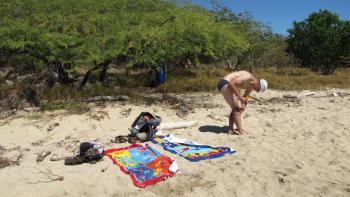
(177, 125)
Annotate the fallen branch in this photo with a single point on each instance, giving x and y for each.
(56, 157)
(107, 98)
(177, 125)
(41, 156)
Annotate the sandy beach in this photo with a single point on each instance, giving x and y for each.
(298, 146)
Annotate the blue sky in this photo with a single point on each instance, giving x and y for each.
(280, 14)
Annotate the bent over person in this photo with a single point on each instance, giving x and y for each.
(230, 87)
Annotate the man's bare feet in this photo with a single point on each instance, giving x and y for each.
(232, 132)
(243, 132)
(237, 132)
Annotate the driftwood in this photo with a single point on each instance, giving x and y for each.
(41, 156)
(310, 94)
(56, 157)
(289, 96)
(177, 125)
(107, 98)
(332, 94)
(343, 94)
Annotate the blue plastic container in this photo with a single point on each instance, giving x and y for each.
(161, 76)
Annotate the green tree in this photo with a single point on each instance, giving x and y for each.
(320, 41)
(265, 48)
(59, 36)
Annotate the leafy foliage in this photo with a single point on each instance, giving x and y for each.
(320, 41)
(265, 48)
(63, 34)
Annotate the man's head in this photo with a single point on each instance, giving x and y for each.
(260, 85)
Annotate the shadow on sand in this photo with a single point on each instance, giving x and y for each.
(214, 129)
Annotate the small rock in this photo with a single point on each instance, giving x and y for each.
(280, 180)
(268, 124)
(299, 166)
(26, 149)
(50, 128)
(55, 157)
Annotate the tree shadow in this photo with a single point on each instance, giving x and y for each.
(213, 128)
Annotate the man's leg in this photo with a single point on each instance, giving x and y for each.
(237, 115)
(231, 121)
(238, 121)
(231, 129)
(227, 94)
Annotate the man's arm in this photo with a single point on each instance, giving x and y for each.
(245, 95)
(247, 92)
(235, 91)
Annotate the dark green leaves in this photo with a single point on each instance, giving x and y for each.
(320, 41)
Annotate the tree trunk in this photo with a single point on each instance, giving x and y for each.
(327, 69)
(154, 71)
(87, 75)
(31, 96)
(104, 67)
(232, 64)
(86, 78)
(63, 76)
(252, 66)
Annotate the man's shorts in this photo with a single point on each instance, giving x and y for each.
(222, 83)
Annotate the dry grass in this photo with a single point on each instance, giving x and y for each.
(65, 93)
(200, 79)
(34, 116)
(301, 79)
(280, 79)
(70, 106)
(204, 79)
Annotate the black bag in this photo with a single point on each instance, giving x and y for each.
(145, 125)
(88, 152)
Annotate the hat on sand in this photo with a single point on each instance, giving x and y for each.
(263, 85)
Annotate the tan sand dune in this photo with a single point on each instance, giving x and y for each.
(294, 149)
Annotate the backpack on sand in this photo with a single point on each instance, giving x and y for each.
(144, 126)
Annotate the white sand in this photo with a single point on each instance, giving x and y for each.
(293, 150)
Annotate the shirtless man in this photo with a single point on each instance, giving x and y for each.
(230, 86)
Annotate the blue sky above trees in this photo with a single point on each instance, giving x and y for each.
(280, 14)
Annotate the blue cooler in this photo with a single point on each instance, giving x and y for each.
(161, 75)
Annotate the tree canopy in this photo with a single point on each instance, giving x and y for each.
(62, 34)
(320, 41)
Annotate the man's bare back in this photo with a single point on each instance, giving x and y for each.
(241, 79)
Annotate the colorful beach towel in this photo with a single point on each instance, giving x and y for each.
(191, 151)
(145, 165)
